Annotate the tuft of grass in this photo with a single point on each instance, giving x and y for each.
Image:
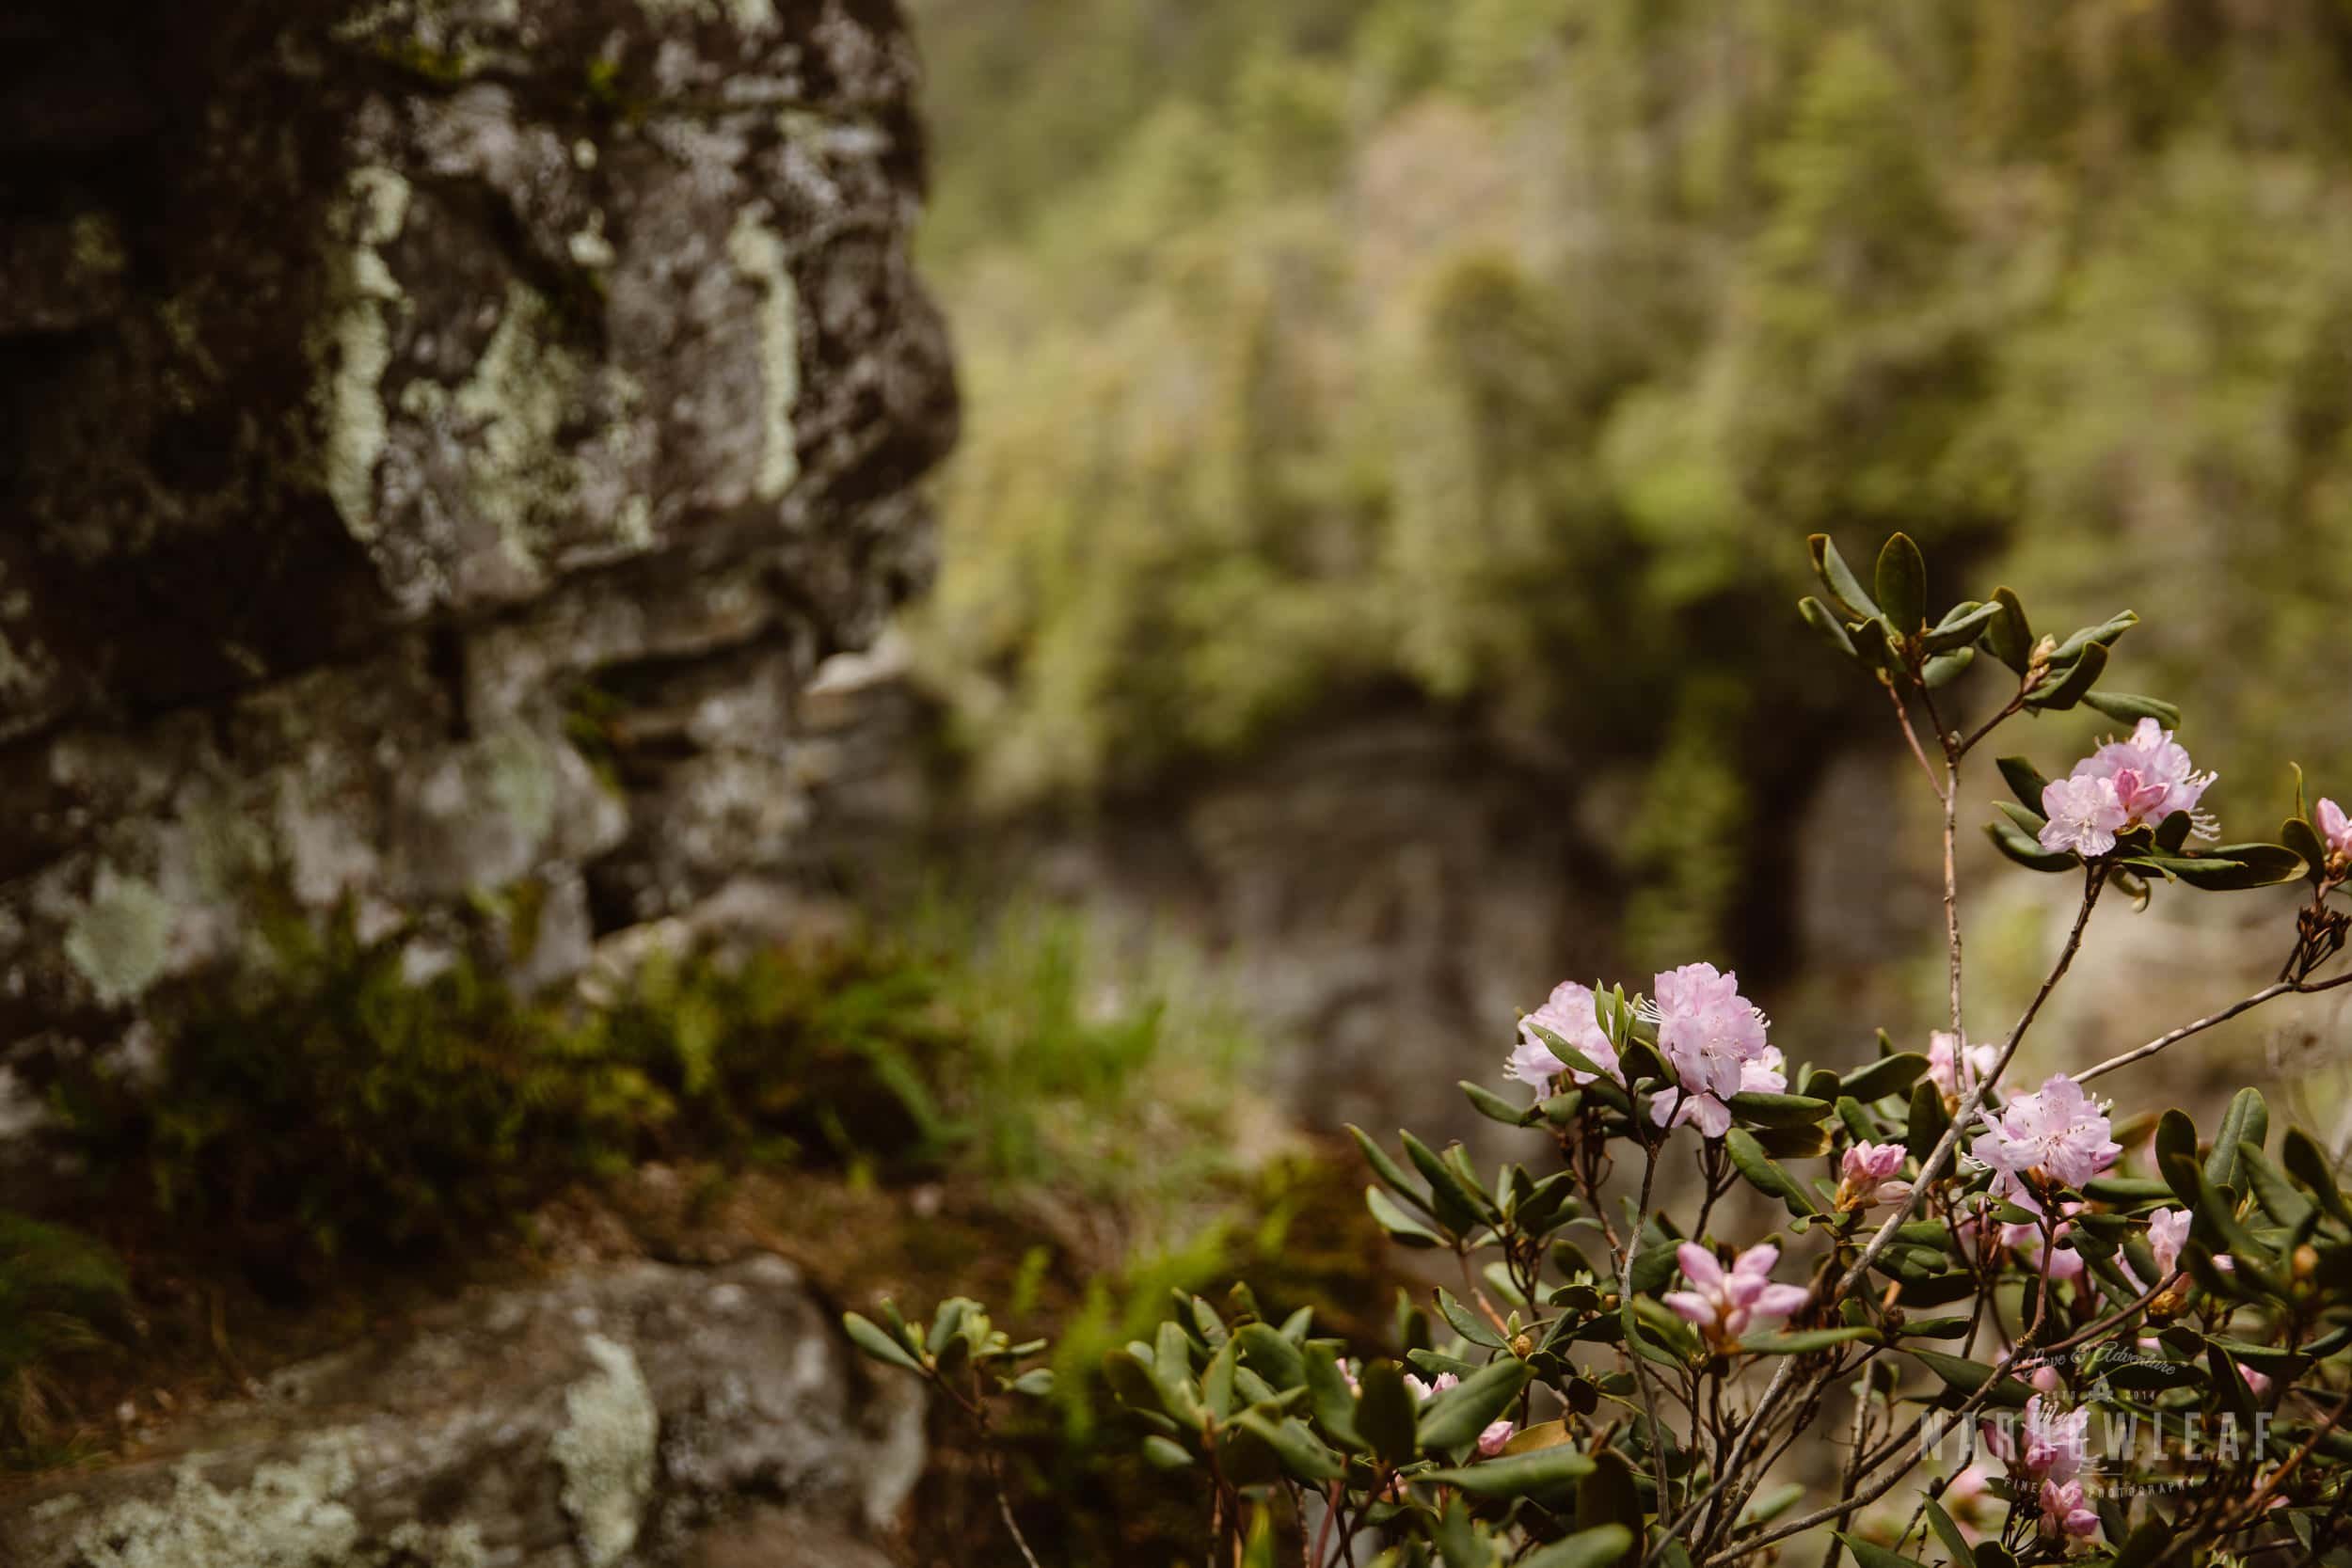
(62, 1294)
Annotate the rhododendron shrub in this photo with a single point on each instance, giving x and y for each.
(1893, 1305)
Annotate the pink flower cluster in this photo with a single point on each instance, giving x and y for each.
(1713, 1038)
(1722, 1303)
(1570, 1015)
(1954, 1065)
(2057, 1134)
(2052, 1452)
(1865, 1176)
(2125, 783)
(2335, 831)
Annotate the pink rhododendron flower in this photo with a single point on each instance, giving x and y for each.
(1954, 1066)
(2064, 1513)
(1761, 1074)
(2057, 1133)
(1720, 1302)
(1491, 1440)
(1707, 1030)
(2168, 1228)
(2152, 778)
(2257, 1384)
(2084, 814)
(1568, 1014)
(2055, 1441)
(2335, 830)
(1864, 1176)
(1437, 1385)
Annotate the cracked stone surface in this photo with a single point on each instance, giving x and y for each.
(645, 1413)
(440, 440)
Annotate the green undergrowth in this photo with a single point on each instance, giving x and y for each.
(343, 1109)
(343, 1096)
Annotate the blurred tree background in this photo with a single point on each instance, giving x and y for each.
(1466, 353)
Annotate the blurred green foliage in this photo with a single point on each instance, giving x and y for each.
(337, 1099)
(1493, 351)
(61, 1293)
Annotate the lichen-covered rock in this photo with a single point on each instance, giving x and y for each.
(649, 1415)
(440, 440)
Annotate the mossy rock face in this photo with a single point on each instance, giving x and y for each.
(419, 417)
(615, 1417)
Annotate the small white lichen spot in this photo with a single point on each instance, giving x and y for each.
(757, 252)
(123, 938)
(606, 1451)
(353, 349)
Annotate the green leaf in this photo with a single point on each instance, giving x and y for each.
(1943, 669)
(1271, 1355)
(1216, 1383)
(1385, 1413)
(1385, 1167)
(1495, 1108)
(1458, 1545)
(1869, 1555)
(1131, 1380)
(879, 1345)
(2025, 781)
(1748, 1159)
(2126, 708)
(1334, 1401)
(1163, 1454)
(2176, 1140)
(1870, 645)
(2125, 1191)
(1845, 589)
(1772, 1503)
(1466, 1323)
(1927, 1121)
(1540, 1473)
(1301, 1453)
(1833, 630)
(1959, 1372)
(1171, 1376)
(2103, 635)
(1458, 1209)
(2299, 837)
(1402, 1228)
(1888, 1076)
(1902, 584)
(1948, 1533)
(1587, 1548)
(1778, 1110)
(2272, 1189)
(2249, 1119)
(1456, 1417)
(2235, 867)
(2011, 637)
(2065, 689)
(1610, 1492)
(1961, 626)
(948, 1320)
(1258, 1552)
(2013, 841)
(2308, 1163)
(1804, 1341)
